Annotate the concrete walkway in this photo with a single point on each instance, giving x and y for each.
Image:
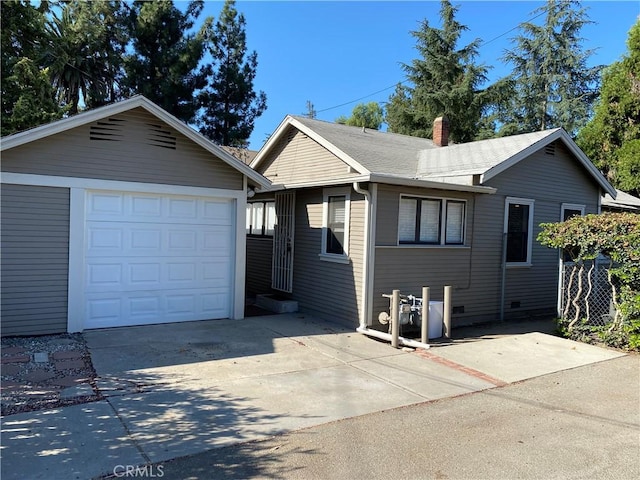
(178, 389)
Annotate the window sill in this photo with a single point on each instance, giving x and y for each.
(519, 265)
(329, 257)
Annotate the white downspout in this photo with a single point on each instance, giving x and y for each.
(365, 253)
(367, 270)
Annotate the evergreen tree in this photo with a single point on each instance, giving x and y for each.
(230, 104)
(26, 94)
(444, 81)
(369, 115)
(612, 138)
(105, 23)
(551, 84)
(164, 65)
(86, 41)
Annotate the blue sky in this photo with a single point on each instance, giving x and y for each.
(338, 54)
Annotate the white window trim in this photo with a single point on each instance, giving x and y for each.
(264, 218)
(443, 223)
(334, 192)
(572, 206)
(522, 201)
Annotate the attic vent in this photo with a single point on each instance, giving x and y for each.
(107, 130)
(550, 149)
(159, 137)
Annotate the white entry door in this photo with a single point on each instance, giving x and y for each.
(156, 258)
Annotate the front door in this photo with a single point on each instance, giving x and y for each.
(282, 266)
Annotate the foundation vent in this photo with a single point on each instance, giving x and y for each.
(107, 130)
(160, 137)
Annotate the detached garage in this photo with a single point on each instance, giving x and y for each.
(122, 215)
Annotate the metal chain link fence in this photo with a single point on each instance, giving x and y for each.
(587, 294)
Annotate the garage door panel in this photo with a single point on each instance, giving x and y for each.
(138, 274)
(139, 308)
(153, 259)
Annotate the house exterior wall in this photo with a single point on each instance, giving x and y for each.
(297, 158)
(34, 257)
(410, 267)
(328, 289)
(550, 180)
(475, 269)
(134, 146)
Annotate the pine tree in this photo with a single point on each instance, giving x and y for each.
(612, 138)
(164, 66)
(230, 104)
(552, 86)
(444, 81)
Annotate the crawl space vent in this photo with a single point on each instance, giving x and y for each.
(107, 130)
(159, 137)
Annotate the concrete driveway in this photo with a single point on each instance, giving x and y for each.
(177, 389)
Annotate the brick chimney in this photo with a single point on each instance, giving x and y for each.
(441, 131)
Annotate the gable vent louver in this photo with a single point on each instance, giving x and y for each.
(107, 130)
(159, 137)
(550, 149)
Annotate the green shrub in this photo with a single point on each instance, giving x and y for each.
(617, 236)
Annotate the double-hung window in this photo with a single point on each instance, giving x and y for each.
(261, 218)
(431, 221)
(518, 228)
(335, 225)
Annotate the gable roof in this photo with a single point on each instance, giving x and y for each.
(371, 152)
(137, 101)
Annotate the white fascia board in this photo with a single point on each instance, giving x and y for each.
(416, 182)
(68, 123)
(389, 180)
(290, 121)
(521, 155)
(90, 116)
(116, 185)
(553, 136)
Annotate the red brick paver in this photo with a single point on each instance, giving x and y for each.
(39, 376)
(12, 350)
(11, 370)
(69, 364)
(67, 355)
(16, 359)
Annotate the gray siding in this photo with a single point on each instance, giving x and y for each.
(409, 268)
(259, 256)
(475, 272)
(133, 146)
(550, 180)
(35, 257)
(297, 158)
(331, 290)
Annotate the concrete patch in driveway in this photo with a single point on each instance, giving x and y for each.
(519, 357)
(79, 441)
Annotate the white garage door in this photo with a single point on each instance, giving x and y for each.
(156, 258)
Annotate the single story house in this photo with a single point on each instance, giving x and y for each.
(355, 213)
(122, 215)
